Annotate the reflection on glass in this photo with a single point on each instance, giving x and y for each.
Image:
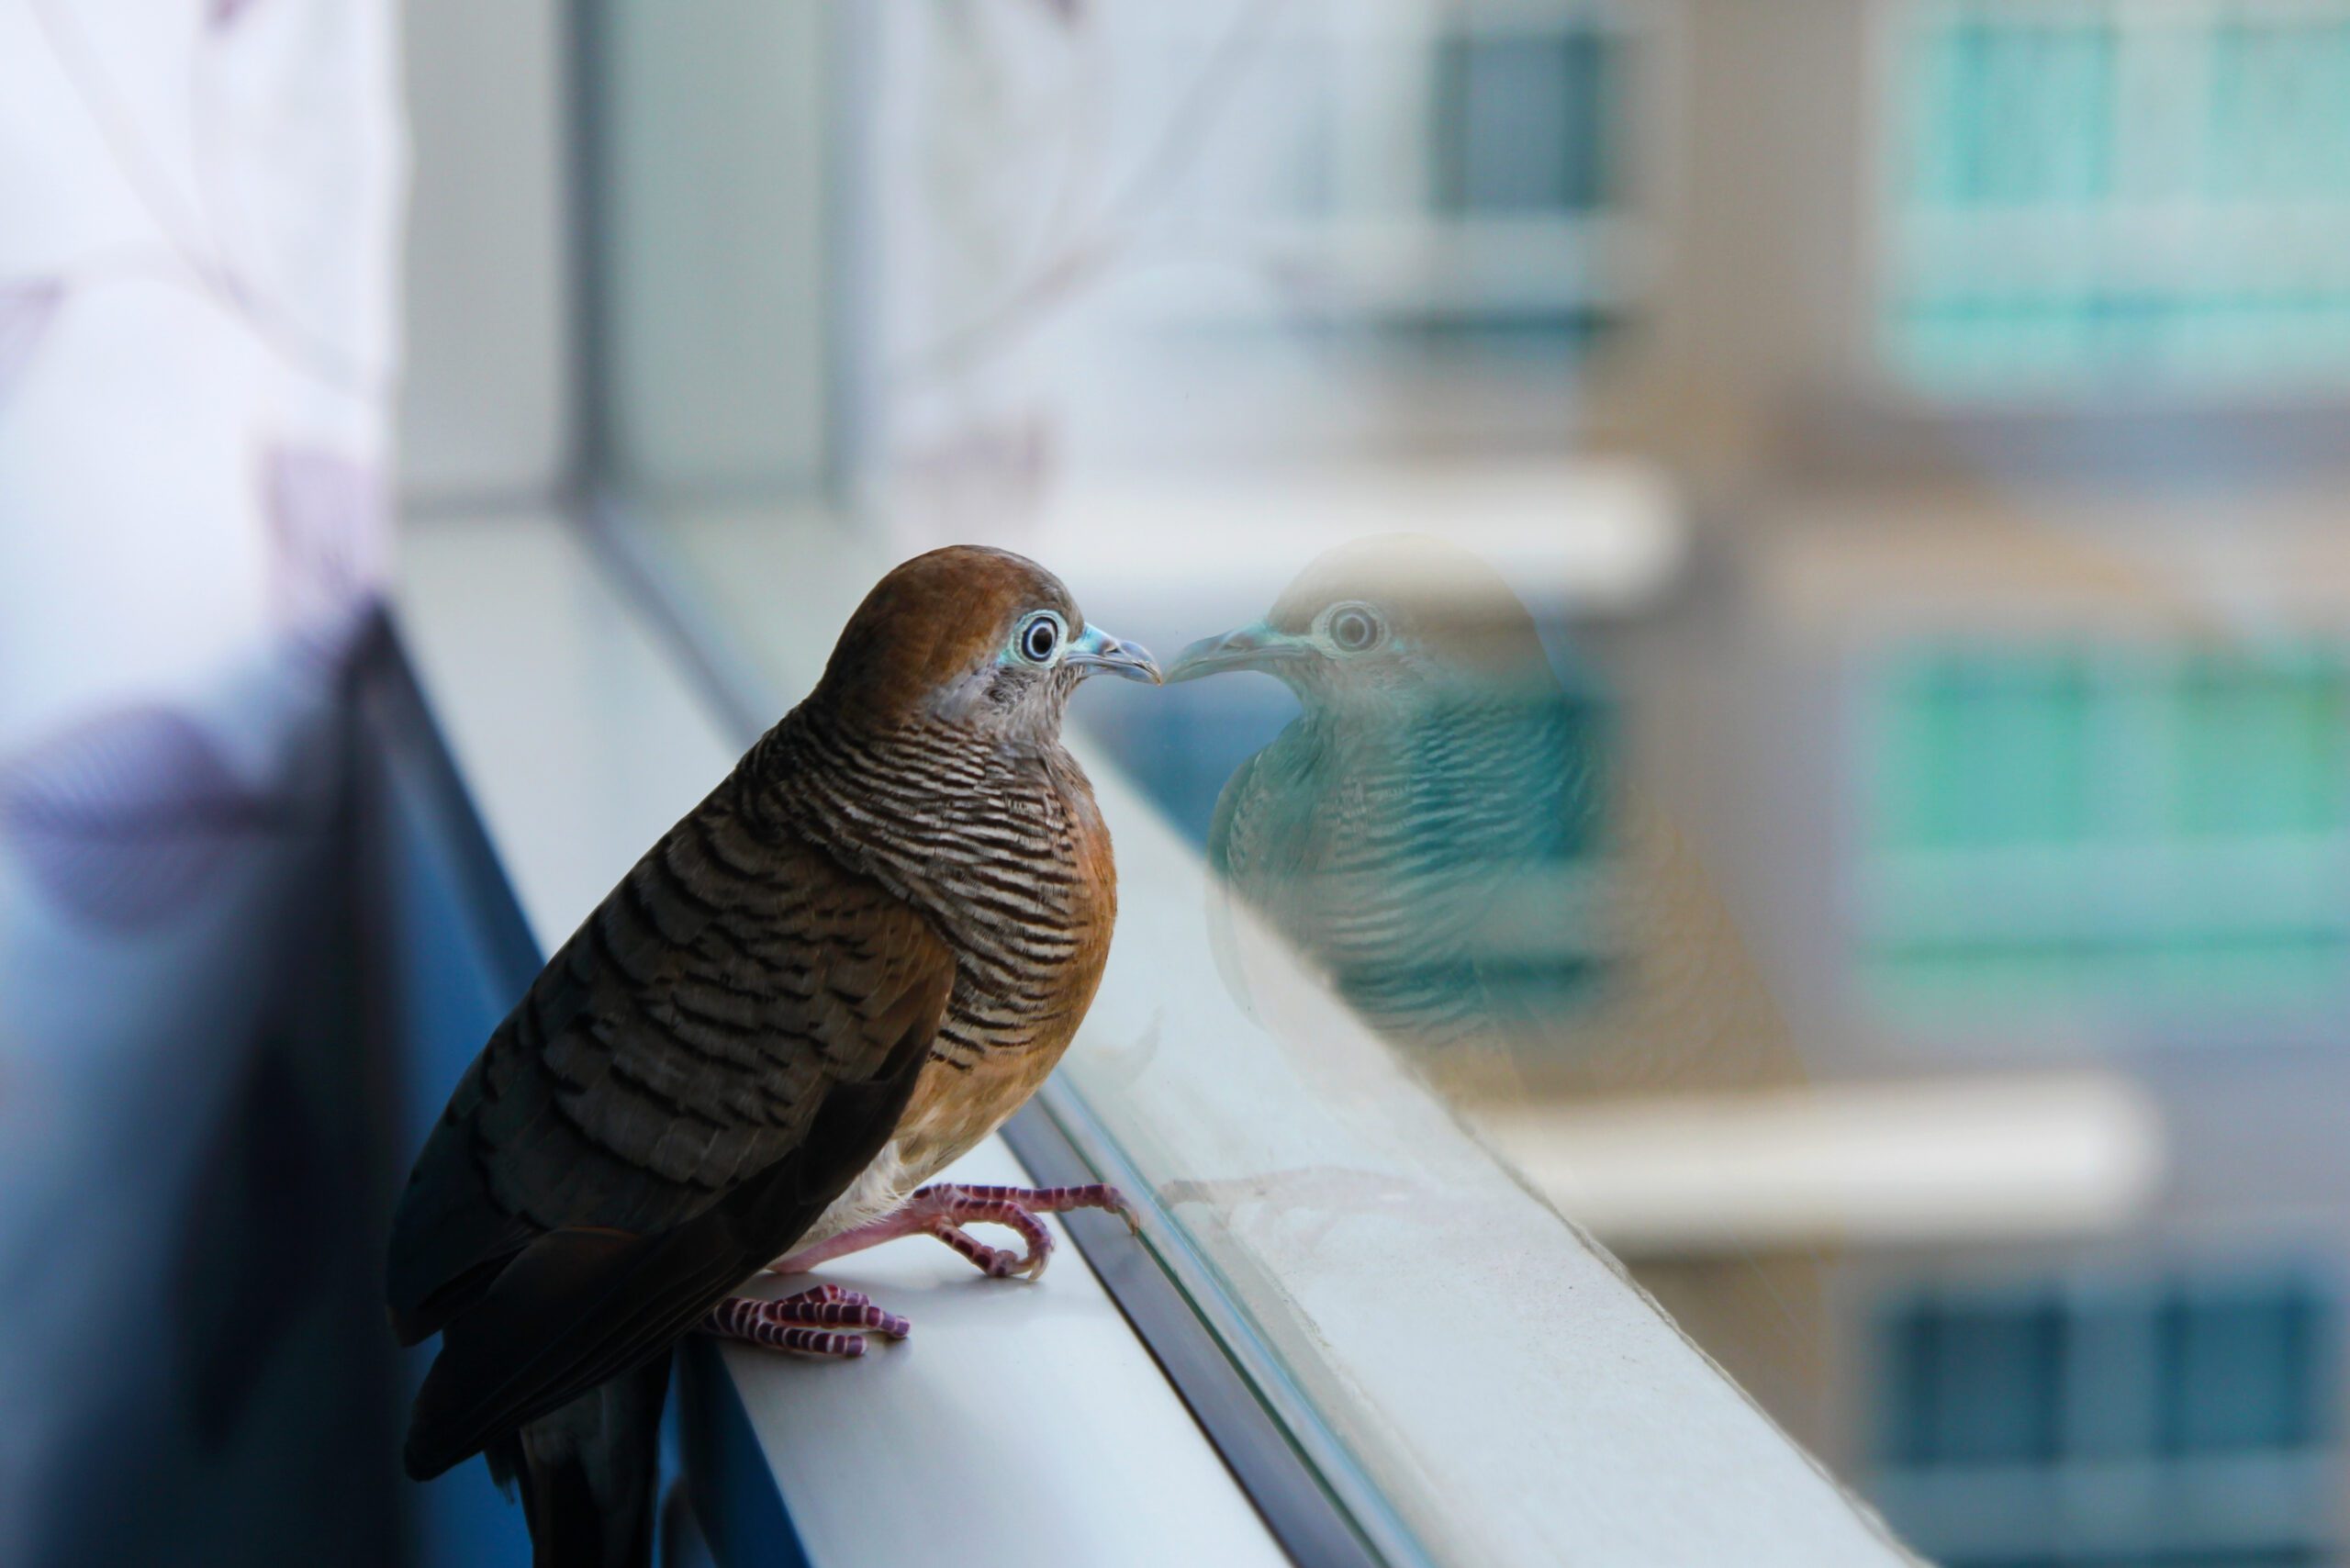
(1428, 830)
(1445, 834)
(1985, 356)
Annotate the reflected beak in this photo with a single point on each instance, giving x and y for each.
(1250, 647)
(1094, 649)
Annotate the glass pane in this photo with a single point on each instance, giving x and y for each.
(2185, 1432)
(2021, 111)
(1882, 876)
(2014, 781)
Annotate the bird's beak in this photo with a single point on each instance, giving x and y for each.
(1250, 647)
(1094, 649)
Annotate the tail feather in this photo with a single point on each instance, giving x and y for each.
(588, 1473)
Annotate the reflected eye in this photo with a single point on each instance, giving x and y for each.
(1354, 627)
(1040, 639)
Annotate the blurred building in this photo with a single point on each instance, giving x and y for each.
(1999, 353)
(1990, 645)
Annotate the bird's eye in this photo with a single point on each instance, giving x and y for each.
(1040, 639)
(1354, 627)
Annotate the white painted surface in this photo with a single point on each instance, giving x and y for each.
(1928, 1162)
(1041, 1432)
(1023, 1423)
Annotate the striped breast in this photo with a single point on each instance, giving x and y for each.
(1418, 852)
(1003, 850)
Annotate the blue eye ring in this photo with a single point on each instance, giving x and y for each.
(1354, 628)
(1040, 638)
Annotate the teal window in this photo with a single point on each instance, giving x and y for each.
(1524, 123)
(2280, 111)
(2015, 112)
(2258, 749)
(2181, 1420)
(2127, 194)
(2030, 712)
(2128, 829)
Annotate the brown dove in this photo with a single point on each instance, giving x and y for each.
(850, 963)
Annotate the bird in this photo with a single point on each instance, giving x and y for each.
(1448, 835)
(1426, 824)
(842, 970)
(1450, 838)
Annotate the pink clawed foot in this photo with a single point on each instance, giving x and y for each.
(943, 1210)
(806, 1322)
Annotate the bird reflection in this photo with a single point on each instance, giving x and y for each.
(1444, 832)
(1427, 829)
(1445, 835)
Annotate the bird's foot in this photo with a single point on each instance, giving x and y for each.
(944, 1209)
(947, 1208)
(807, 1323)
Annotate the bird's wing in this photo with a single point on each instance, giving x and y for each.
(698, 1073)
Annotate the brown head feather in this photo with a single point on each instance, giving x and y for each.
(933, 620)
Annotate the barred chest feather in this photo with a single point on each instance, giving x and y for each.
(1004, 849)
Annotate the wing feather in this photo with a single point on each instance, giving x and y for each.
(689, 1081)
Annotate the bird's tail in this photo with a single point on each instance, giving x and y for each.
(588, 1473)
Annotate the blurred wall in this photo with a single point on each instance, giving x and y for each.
(694, 184)
(485, 411)
(712, 244)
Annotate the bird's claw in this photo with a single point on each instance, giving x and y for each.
(994, 1261)
(944, 1209)
(808, 1323)
(948, 1206)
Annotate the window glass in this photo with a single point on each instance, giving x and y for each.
(1521, 123)
(1610, 793)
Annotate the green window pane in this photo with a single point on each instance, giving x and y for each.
(2280, 125)
(2192, 770)
(1990, 751)
(2017, 119)
(2017, 113)
(2260, 748)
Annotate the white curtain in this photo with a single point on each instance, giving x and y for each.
(198, 261)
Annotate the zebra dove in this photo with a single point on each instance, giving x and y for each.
(842, 970)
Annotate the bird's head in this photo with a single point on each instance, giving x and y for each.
(979, 637)
(1380, 620)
